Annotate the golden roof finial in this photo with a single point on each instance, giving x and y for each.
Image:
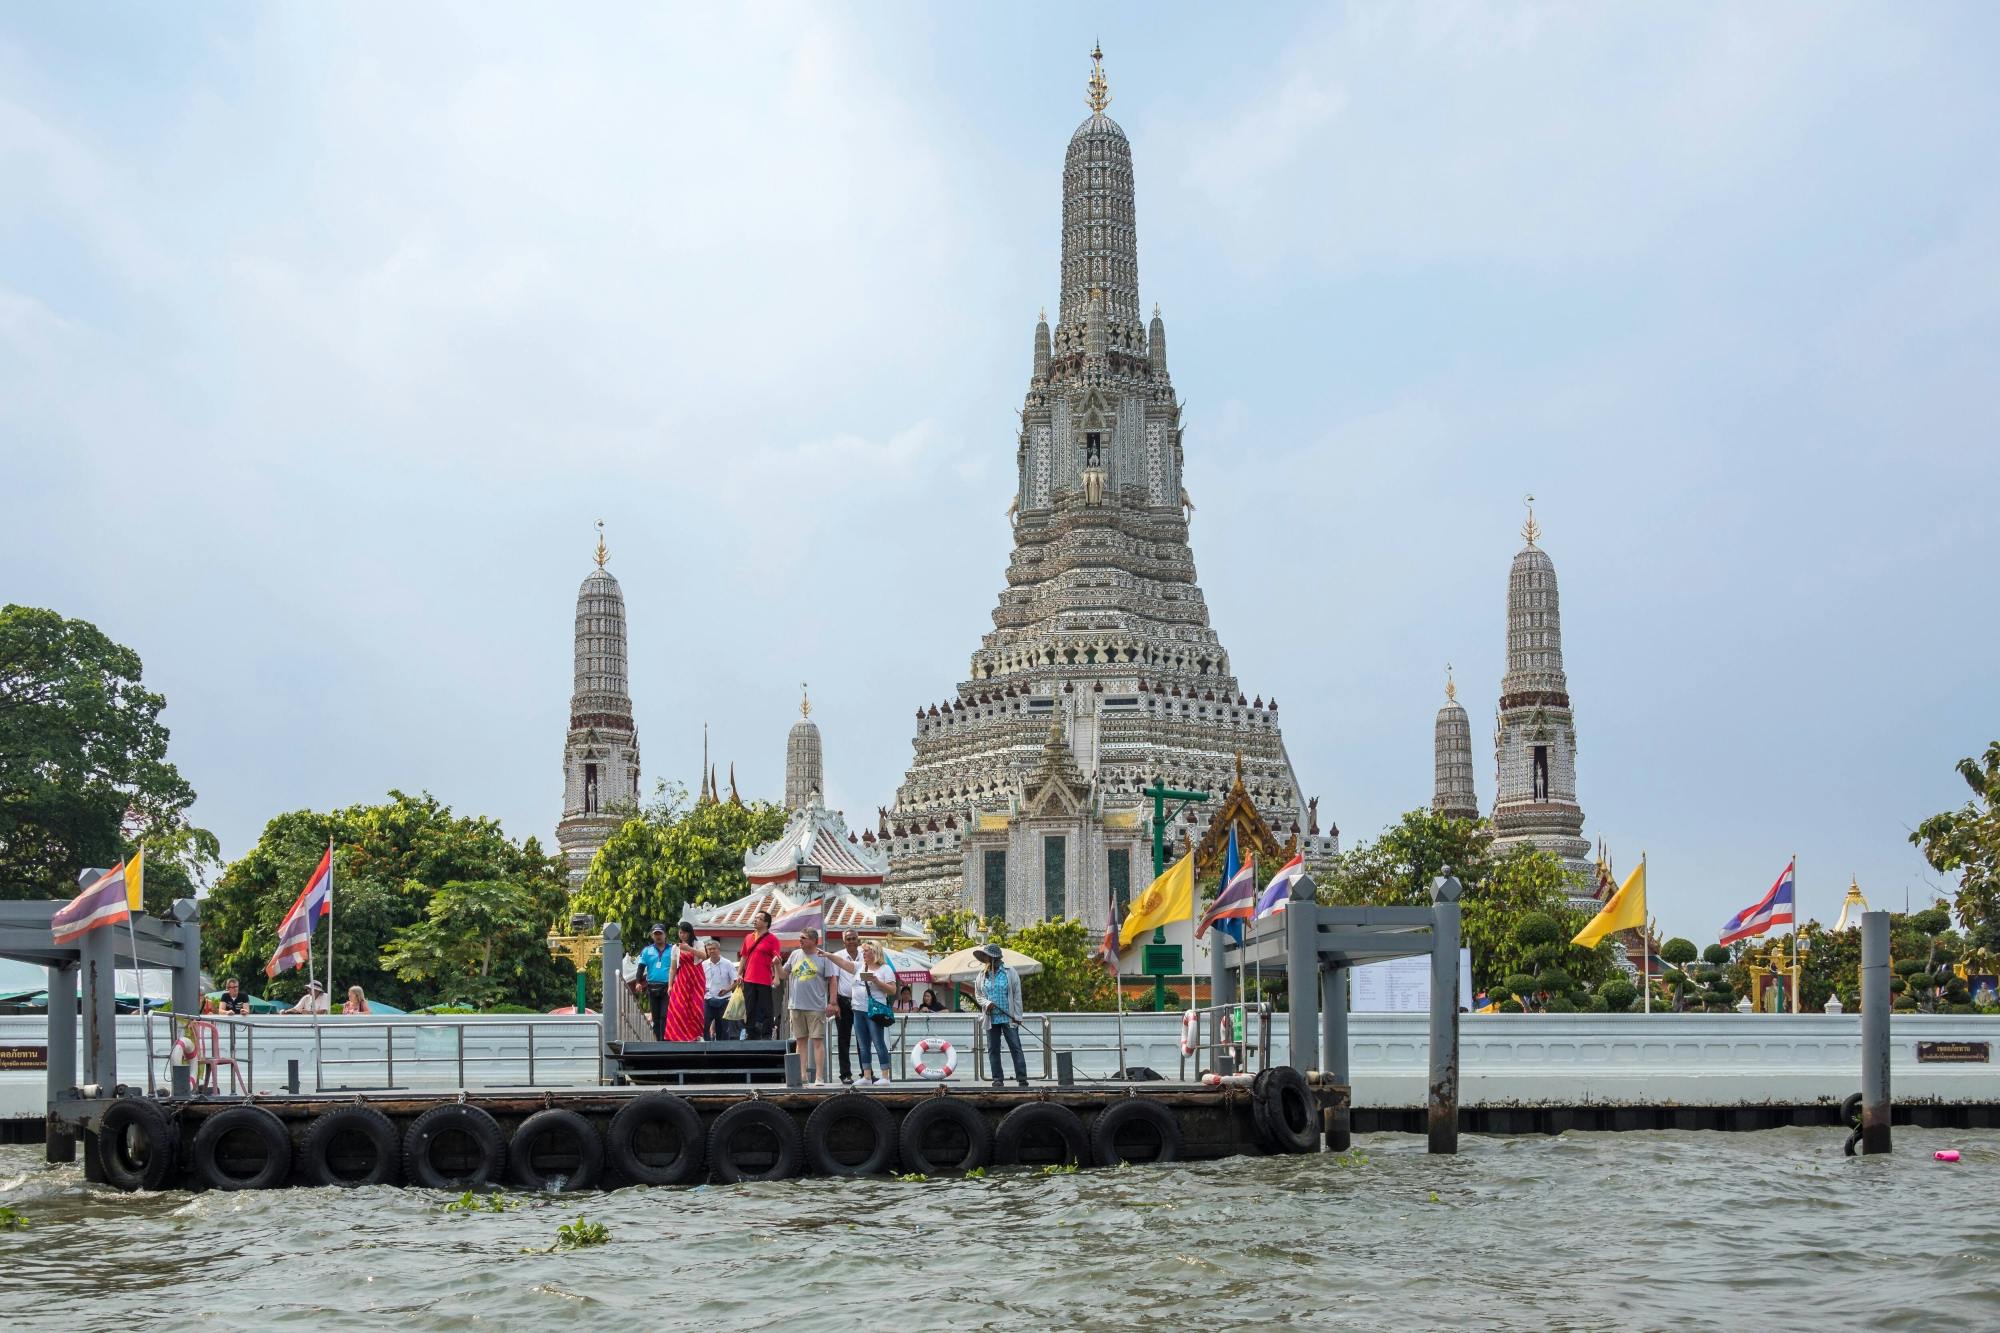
(1099, 95)
(1531, 529)
(1450, 689)
(805, 701)
(602, 553)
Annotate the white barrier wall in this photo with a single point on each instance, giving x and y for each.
(1559, 1059)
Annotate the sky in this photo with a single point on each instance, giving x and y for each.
(328, 332)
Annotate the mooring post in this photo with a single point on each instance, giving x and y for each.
(1339, 1121)
(614, 983)
(1444, 1015)
(185, 924)
(1302, 973)
(1221, 989)
(59, 1144)
(100, 1010)
(1875, 1106)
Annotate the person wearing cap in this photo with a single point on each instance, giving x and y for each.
(312, 1002)
(999, 988)
(656, 961)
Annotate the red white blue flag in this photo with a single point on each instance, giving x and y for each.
(295, 931)
(1106, 954)
(1236, 902)
(102, 903)
(1773, 909)
(1279, 891)
(805, 915)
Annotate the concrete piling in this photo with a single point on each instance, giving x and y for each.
(1333, 1059)
(60, 1144)
(1443, 1095)
(1301, 968)
(1875, 1103)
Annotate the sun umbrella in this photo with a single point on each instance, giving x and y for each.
(962, 966)
(911, 967)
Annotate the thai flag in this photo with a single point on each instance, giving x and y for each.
(1236, 902)
(295, 931)
(1279, 891)
(1106, 954)
(1774, 909)
(812, 914)
(102, 903)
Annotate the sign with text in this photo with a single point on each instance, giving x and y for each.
(1954, 1052)
(23, 1057)
(1403, 985)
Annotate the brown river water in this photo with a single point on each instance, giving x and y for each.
(1769, 1230)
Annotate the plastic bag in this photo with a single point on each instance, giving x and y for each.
(736, 1010)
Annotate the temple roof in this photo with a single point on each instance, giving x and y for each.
(819, 835)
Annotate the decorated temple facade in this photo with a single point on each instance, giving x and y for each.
(601, 750)
(1101, 674)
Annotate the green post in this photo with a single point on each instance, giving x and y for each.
(1156, 962)
(582, 993)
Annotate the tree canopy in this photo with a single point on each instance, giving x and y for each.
(84, 774)
(392, 862)
(669, 855)
(1966, 842)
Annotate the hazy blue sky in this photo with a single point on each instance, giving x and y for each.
(327, 331)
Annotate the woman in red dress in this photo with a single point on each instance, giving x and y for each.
(687, 990)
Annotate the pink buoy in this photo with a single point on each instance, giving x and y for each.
(1945, 1155)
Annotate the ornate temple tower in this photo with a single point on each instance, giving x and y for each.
(1454, 795)
(1101, 673)
(1534, 742)
(805, 776)
(601, 755)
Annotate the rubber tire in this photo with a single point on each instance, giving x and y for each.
(163, 1144)
(742, 1115)
(277, 1142)
(1023, 1120)
(521, 1168)
(1104, 1134)
(979, 1149)
(850, 1106)
(1278, 1091)
(476, 1124)
(378, 1129)
(1850, 1110)
(621, 1140)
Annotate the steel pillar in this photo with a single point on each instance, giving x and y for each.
(1221, 990)
(1333, 1057)
(59, 1143)
(1443, 1098)
(615, 997)
(1301, 967)
(185, 924)
(100, 1009)
(1875, 1104)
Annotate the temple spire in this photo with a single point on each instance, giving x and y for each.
(1531, 529)
(602, 553)
(1099, 95)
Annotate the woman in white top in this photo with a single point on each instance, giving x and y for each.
(878, 977)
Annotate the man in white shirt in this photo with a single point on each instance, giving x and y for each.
(312, 1002)
(721, 974)
(853, 1005)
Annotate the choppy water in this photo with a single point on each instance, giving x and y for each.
(1769, 1230)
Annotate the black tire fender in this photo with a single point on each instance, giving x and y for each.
(1286, 1114)
(421, 1138)
(761, 1115)
(553, 1122)
(1041, 1118)
(1104, 1134)
(935, 1110)
(315, 1156)
(129, 1118)
(270, 1135)
(622, 1139)
(844, 1108)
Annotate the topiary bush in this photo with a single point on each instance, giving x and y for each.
(1511, 1007)
(1559, 1004)
(1617, 995)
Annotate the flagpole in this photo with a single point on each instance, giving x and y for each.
(1798, 923)
(329, 925)
(132, 925)
(1645, 936)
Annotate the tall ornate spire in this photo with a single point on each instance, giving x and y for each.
(1099, 238)
(601, 752)
(1531, 529)
(1099, 94)
(1453, 793)
(805, 772)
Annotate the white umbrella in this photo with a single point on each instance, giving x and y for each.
(962, 966)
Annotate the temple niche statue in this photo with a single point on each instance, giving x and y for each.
(1101, 674)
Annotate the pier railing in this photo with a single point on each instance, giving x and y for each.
(414, 1052)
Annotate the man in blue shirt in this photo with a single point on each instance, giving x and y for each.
(656, 960)
(999, 990)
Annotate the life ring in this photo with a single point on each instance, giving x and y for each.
(181, 1054)
(1190, 1032)
(940, 1047)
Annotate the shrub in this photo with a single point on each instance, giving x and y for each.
(1560, 1004)
(1618, 994)
(1679, 952)
(1555, 981)
(1511, 1007)
(1715, 955)
(1537, 928)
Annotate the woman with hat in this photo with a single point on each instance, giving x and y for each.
(999, 989)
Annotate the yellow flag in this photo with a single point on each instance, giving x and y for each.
(1625, 911)
(1168, 898)
(135, 879)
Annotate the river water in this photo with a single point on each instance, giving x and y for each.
(1769, 1230)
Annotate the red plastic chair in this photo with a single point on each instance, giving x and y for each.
(208, 1058)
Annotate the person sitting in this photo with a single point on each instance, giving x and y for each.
(903, 1005)
(314, 1001)
(932, 1004)
(233, 1000)
(356, 1002)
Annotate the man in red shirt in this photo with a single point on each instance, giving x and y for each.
(760, 952)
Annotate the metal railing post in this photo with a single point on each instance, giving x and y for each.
(146, 1034)
(531, 1055)
(460, 1029)
(1048, 1049)
(389, 1054)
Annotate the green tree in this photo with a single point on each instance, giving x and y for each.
(480, 942)
(1966, 842)
(669, 856)
(389, 860)
(1069, 980)
(1678, 952)
(84, 774)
